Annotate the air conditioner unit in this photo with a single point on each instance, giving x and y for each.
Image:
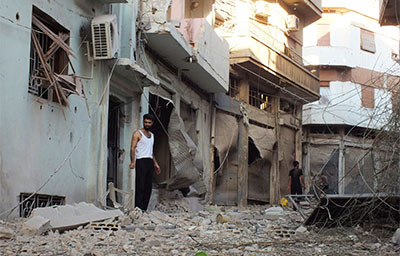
(104, 37)
(262, 9)
(292, 23)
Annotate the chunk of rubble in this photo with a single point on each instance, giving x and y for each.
(273, 213)
(36, 225)
(396, 237)
(6, 233)
(71, 216)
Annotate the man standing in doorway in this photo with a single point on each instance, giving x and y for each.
(142, 158)
(296, 181)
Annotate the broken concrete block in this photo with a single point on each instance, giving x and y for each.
(273, 213)
(396, 237)
(71, 216)
(301, 229)
(36, 225)
(6, 233)
(193, 204)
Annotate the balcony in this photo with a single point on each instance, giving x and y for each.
(255, 48)
(192, 47)
(308, 10)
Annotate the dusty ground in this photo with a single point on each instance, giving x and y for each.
(172, 229)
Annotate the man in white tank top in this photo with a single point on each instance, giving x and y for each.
(144, 162)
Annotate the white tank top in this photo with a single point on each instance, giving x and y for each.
(144, 148)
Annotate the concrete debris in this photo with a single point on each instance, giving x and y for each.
(273, 213)
(71, 216)
(175, 230)
(396, 237)
(6, 233)
(36, 225)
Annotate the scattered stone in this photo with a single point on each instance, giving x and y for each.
(273, 213)
(6, 233)
(396, 237)
(36, 225)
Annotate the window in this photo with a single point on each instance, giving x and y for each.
(37, 200)
(259, 99)
(367, 96)
(324, 37)
(233, 87)
(50, 59)
(367, 41)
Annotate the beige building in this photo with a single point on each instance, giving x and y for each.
(258, 123)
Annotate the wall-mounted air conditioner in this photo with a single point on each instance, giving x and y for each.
(262, 9)
(292, 23)
(104, 37)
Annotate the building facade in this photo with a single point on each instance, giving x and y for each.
(258, 123)
(73, 103)
(357, 61)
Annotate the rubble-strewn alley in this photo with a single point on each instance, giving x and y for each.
(173, 229)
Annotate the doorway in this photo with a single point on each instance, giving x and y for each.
(113, 142)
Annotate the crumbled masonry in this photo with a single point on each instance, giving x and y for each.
(173, 229)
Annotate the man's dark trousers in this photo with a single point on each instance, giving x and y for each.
(144, 177)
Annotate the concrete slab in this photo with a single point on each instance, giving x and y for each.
(71, 216)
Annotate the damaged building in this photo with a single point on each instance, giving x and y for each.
(82, 75)
(259, 122)
(358, 68)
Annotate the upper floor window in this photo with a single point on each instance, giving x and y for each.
(324, 36)
(367, 40)
(50, 59)
(367, 96)
(258, 98)
(233, 87)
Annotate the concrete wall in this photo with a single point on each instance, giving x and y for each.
(37, 141)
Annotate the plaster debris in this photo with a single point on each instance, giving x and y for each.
(175, 230)
(6, 233)
(36, 225)
(396, 237)
(71, 216)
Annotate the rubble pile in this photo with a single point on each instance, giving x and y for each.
(173, 229)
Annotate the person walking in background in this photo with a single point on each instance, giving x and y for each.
(296, 181)
(143, 160)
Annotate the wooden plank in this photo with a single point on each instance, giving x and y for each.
(52, 36)
(243, 166)
(54, 46)
(41, 58)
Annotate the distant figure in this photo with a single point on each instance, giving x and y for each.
(142, 158)
(323, 184)
(296, 181)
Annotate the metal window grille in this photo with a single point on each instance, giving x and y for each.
(38, 83)
(259, 99)
(37, 200)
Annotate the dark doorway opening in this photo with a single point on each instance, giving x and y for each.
(113, 142)
(161, 109)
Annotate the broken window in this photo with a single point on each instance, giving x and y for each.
(287, 107)
(233, 87)
(29, 202)
(50, 59)
(259, 99)
(367, 41)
